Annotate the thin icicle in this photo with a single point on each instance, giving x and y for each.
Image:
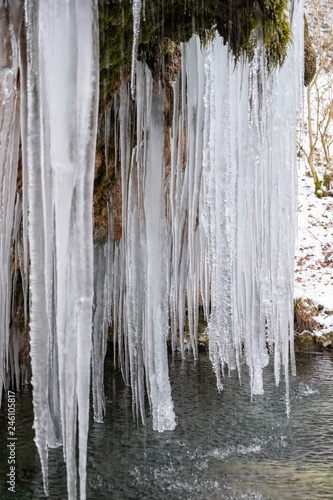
(177, 217)
(10, 22)
(136, 10)
(100, 329)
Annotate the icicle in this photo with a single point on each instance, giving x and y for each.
(17, 274)
(61, 113)
(285, 98)
(218, 204)
(136, 9)
(141, 319)
(177, 217)
(39, 324)
(195, 117)
(157, 317)
(121, 251)
(102, 303)
(14, 358)
(10, 21)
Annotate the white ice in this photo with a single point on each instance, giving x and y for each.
(59, 125)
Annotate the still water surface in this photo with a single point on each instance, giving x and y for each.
(224, 446)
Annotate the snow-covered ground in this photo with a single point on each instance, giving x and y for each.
(314, 252)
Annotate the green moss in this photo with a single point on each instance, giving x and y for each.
(165, 22)
(115, 39)
(318, 187)
(277, 31)
(306, 338)
(164, 25)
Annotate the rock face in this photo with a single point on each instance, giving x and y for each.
(308, 342)
(327, 340)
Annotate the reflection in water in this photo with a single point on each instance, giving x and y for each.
(224, 445)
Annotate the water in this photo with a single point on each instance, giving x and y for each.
(224, 445)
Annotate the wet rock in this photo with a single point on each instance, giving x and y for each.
(327, 340)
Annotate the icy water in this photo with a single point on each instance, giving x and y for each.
(224, 445)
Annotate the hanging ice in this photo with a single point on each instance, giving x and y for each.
(213, 228)
(59, 118)
(230, 194)
(136, 10)
(246, 210)
(10, 22)
(143, 319)
(101, 321)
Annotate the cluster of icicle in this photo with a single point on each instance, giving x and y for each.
(52, 104)
(213, 227)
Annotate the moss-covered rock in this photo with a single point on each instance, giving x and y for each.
(164, 23)
(306, 341)
(310, 61)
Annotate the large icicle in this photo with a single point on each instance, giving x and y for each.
(61, 110)
(283, 103)
(157, 314)
(217, 203)
(39, 321)
(10, 22)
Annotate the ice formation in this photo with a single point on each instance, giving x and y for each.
(136, 10)
(9, 155)
(141, 311)
(229, 220)
(209, 225)
(59, 123)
